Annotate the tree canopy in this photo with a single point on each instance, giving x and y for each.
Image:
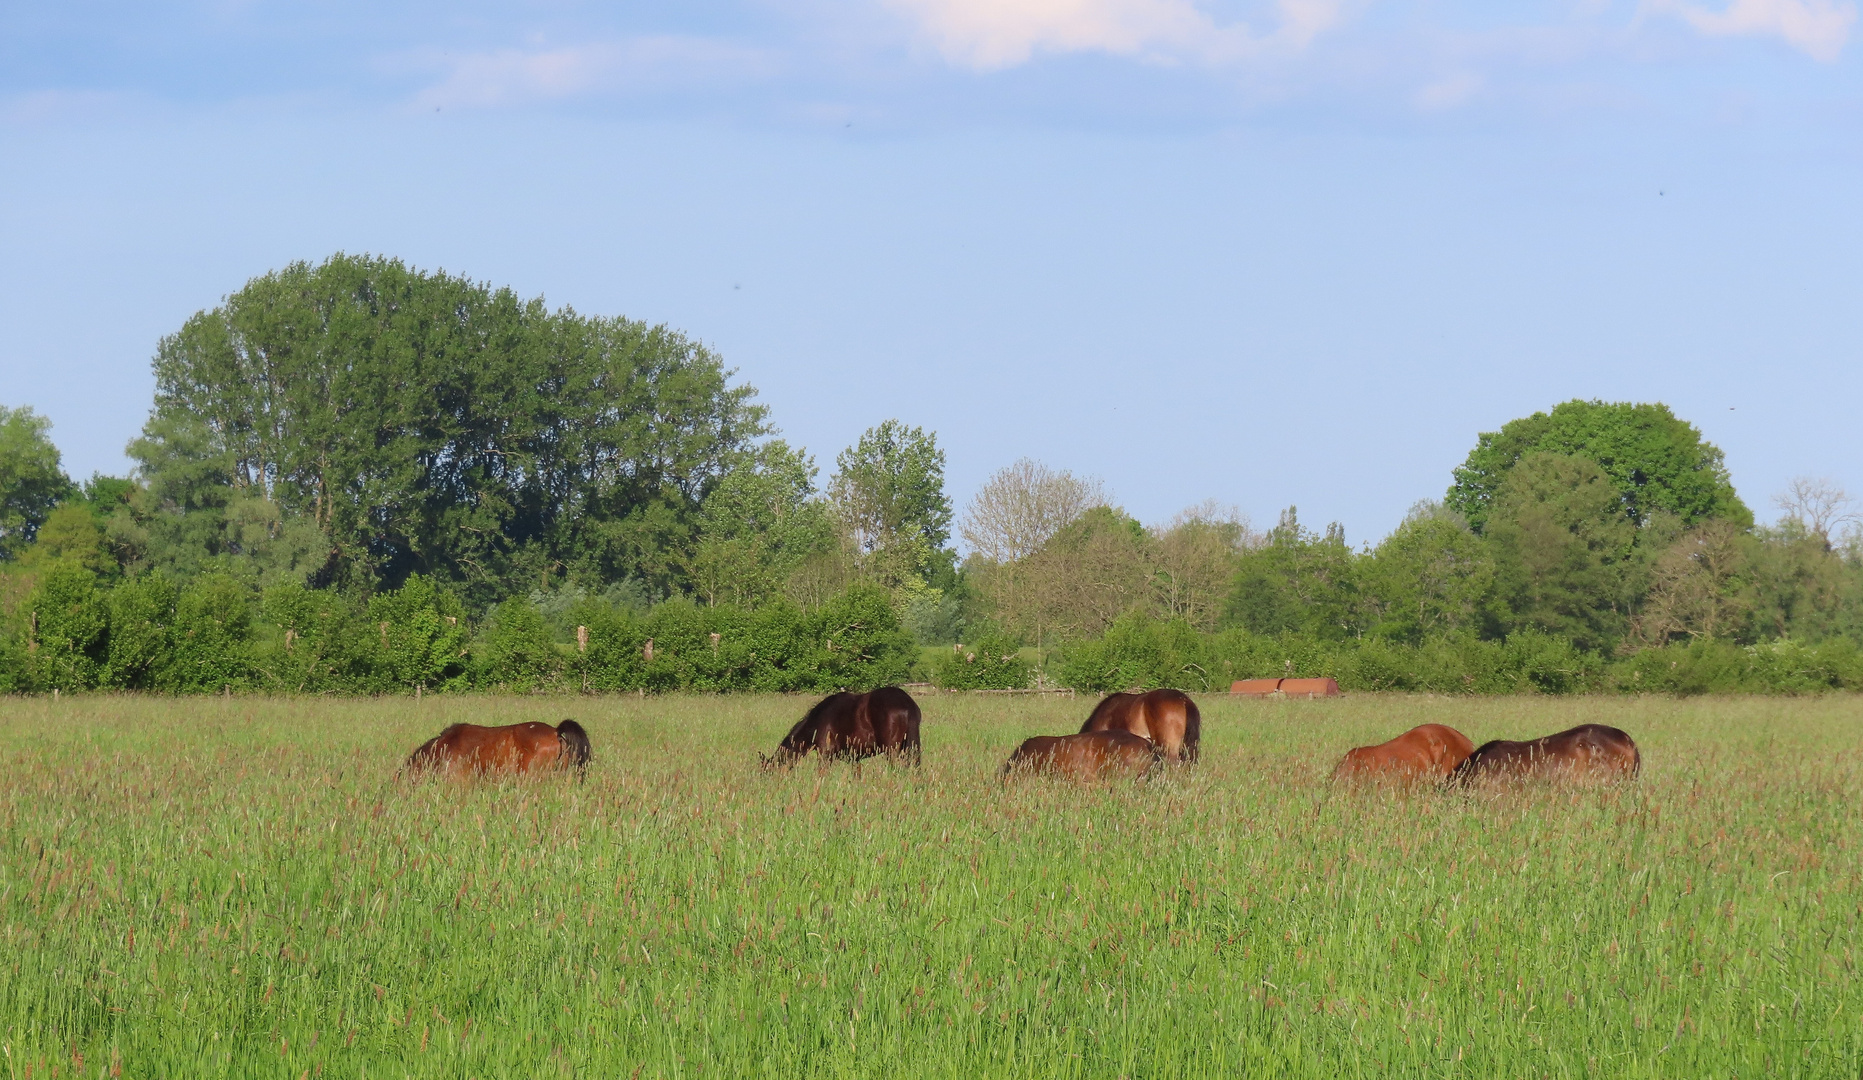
(31, 481)
(425, 423)
(1655, 461)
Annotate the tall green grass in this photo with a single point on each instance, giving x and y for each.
(194, 888)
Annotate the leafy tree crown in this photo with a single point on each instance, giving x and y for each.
(1655, 460)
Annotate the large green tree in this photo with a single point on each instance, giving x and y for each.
(1564, 550)
(888, 490)
(427, 423)
(31, 481)
(1430, 577)
(1656, 462)
(756, 527)
(1299, 581)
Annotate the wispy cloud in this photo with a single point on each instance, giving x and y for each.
(518, 76)
(992, 34)
(1820, 28)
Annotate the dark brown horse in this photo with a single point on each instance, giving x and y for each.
(1431, 751)
(471, 750)
(1589, 750)
(1089, 756)
(855, 726)
(1167, 717)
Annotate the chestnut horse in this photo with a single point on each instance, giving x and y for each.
(1431, 750)
(1589, 749)
(855, 726)
(468, 749)
(1166, 717)
(1088, 756)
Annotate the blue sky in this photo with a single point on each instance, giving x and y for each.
(1262, 253)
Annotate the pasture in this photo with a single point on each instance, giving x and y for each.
(214, 887)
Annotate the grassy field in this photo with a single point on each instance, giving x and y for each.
(214, 887)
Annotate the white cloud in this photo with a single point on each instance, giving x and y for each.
(514, 76)
(1818, 27)
(989, 34)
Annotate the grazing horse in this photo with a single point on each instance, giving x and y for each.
(1589, 749)
(1431, 750)
(1088, 756)
(1166, 717)
(855, 726)
(468, 749)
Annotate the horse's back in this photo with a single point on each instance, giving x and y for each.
(1425, 750)
(856, 725)
(1169, 718)
(1111, 712)
(473, 748)
(1086, 755)
(1587, 749)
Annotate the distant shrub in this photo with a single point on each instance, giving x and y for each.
(142, 615)
(68, 619)
(992, 662)
(518, 654)
(421, 639)
(210, 639)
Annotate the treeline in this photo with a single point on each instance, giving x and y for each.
(207, 635)
(1138, 651)
(361, 477)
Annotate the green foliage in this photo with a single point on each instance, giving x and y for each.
(1137, 651)
(31, 481)
(518, 654)
(211, 639)
(1562, 549)
(756, 526)
(68, 618)
(72, 534)
(992, 662)
(1720, 667)
(1298, 582)
(1144, 652)
(142, 614)
(1655, 461)
(422, 639)
(889, 491)
(1429, 578)
(423, 423)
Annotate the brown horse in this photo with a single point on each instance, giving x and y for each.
(1089, 756)
(1586, 750)
(468, 749)
(1166, 717)
(1431, 750)
(855, 726)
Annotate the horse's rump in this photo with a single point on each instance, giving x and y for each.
(1168, 718)
(855, 726)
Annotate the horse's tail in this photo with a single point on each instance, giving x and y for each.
(1193, 730)
(575, 741)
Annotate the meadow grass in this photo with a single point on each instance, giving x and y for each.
(214, 887)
